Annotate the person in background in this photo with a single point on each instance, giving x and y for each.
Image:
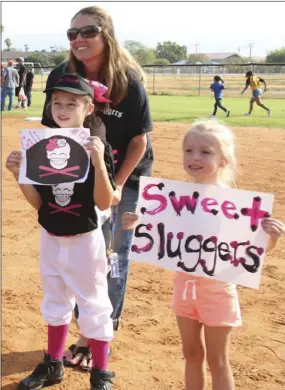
(9, 81)
(217, 87)
(253, 82)
(29, 86)
(2, 72)
(96, 54)
(22, 70)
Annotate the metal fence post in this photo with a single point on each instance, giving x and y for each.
(200, 73)
(153, 81)
(42, 81)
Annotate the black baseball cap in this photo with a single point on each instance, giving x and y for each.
(74, 84)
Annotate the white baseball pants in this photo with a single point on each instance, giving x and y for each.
(74, 269)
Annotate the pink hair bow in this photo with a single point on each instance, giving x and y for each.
(99, 91)
(52, 144)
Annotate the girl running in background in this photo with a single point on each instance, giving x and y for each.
(254, 83)
(217, 87)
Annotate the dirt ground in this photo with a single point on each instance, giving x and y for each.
(146, 351)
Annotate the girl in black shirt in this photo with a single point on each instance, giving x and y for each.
(73, 262)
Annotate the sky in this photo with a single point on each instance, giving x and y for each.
(215, 26)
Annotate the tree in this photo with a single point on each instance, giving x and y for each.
(8, 43)
(232, 66)
(276, 56)
(194, 58)
(145, 56)
(39, 58)
(60, 49)
(26, 47)
(133, 46)
(161, 61)
(141, 53)
(2, 28)
(171, 51)
(59, 58)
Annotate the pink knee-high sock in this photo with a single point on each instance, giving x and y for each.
(56, 340)
(99, 351)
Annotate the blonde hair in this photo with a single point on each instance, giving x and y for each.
(226, 140)
(117, 60)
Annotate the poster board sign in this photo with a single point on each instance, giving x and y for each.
(203, 230)
(53, 156)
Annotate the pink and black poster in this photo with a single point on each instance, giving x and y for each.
(53, 156)
(203, 230)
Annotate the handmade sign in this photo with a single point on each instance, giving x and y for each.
(53, 156)
(203, 230)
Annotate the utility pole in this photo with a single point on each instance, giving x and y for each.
(196, 44)
(250, 48)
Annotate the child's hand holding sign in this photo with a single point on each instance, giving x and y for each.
(13, 162)
(96, 147)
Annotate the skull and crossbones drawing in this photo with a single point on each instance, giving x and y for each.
(58, 152)
(62, 193)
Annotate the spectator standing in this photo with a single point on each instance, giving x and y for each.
(29, 86)
(22, 70)
(9, 82)
(2, 73)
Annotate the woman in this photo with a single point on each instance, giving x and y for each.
(96, 55)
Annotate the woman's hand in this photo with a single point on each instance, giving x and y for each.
(97, 148)
(129, 221)
(13, 162)
(117, 195)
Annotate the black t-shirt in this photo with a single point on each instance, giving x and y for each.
(29, 79)
(123, 122)
(22, 70)
(68, 208)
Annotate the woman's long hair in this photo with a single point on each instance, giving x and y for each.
(118, 62)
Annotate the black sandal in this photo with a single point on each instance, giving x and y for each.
(75, 351)
(88, 355)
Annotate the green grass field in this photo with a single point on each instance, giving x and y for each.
(189, 108)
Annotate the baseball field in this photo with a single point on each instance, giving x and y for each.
(146, 352)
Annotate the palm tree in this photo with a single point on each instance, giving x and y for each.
(8, 43)
(26, 47)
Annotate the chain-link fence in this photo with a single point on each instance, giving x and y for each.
(195, 80)
(40, 78)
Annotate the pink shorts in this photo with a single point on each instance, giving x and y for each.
(211, 302)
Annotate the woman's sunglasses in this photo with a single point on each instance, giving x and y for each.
(85, 32)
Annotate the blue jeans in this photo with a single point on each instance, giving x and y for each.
(6, 91)
(121, 245)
